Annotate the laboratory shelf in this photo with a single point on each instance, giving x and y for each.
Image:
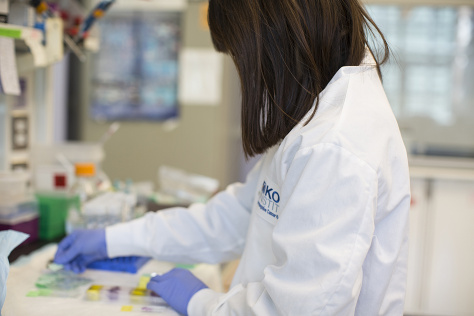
(45, 48)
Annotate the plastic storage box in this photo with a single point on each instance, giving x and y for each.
(53, 210)
(13, 187)
(10, 209)
(53, 165)
(26, 222)
(51, 178)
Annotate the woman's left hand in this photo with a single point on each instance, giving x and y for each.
(176, 287)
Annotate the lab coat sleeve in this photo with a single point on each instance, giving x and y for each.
(319, 243)
(211, 233)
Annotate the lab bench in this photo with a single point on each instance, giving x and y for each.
(28, 261)
(25, 271)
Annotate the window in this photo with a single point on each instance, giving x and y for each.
(430, 79)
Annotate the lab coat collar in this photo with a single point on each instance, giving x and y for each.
(332, 89)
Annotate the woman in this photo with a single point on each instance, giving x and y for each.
(320, 224)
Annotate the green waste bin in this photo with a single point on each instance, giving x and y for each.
(53, 209)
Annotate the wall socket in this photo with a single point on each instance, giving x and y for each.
(23, 165)
(20, 132)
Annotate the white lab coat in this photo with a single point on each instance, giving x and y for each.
(321, 224)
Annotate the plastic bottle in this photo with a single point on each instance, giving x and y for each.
(84, 188)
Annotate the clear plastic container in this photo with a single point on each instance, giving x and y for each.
(13, 187)
(185, 187)
(14, 209)
(108, 209)
(84, 187)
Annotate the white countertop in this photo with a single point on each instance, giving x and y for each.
(441, 168)
(25, 271)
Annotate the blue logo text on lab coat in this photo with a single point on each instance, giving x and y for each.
(268, 201)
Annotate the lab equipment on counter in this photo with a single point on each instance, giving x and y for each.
(178, 186)
(124, 295)
(26, 271)
(109, 208)
(61, 280)
(144, 279)
(103, 210)
(13, 186)
(53, 178)
(113, 128)
(9, 240)
(54, 266)
(18, 208)
(25, 222)
(53, 209)
(84, 188)
(84, 185)
(60, 283)
(9, 210)
(53, 165)
(143, 309)
(121, 264)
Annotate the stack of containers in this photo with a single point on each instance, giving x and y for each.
(18, 207)
(108, 209)
(53, 177)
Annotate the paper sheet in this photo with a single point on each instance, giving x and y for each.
(200, 81)
(8, 71)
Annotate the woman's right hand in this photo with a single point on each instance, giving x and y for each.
(80, 248)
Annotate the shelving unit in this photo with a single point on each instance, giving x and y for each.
(28, 118)
(45, 49)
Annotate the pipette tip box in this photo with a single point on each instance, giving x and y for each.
(121, 264)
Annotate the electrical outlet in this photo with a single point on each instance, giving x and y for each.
(4, 11)
(19, 166)
(20, 133)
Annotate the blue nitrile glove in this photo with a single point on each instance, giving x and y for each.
(80, 248)
(176, 287)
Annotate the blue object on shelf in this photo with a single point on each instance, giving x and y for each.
(120, 264)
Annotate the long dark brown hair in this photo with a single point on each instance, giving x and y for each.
(286, 52)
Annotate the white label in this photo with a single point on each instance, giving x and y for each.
(200, 80)
(268, 202)
(8, 70)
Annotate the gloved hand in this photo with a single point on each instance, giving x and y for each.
(80, 248)
(176, 287)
